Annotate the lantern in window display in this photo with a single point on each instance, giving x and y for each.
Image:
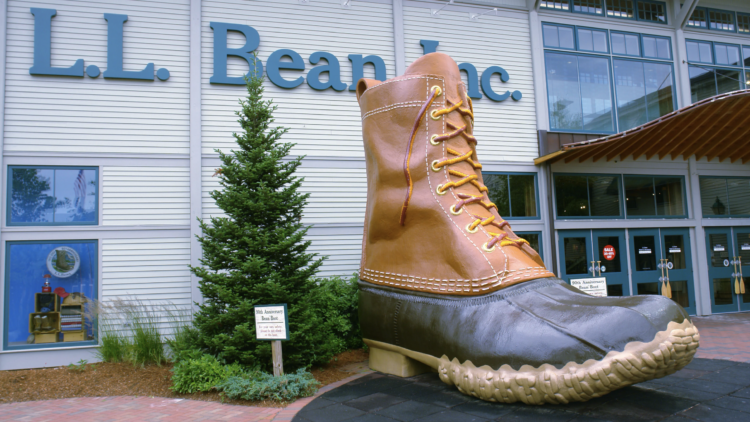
(46, 288)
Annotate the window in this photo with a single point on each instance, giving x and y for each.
(555, 4)
(580, 89)
(621, 9)
(593, 7)
(48, 291)
(698, 18)
(587, 196)
(652, 11)
(513, 193)
(647, 196)
(534, 239)
(52, 195)
(743, 23)
(721, 20)
(707, 81)
(725, 196)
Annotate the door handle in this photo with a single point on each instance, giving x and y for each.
(666, 288)
(739, 281)
(599, 267)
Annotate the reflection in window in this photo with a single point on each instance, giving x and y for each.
(728, 196)
(645, 253)
(533, 239)
(644, 92)
(612, 265)
(639, 195)
(592, 40)
(579, 93)
(698, 18)
(621, 9)
(558, 36)
(721, 20)
(514, 194)
(674, 251)
(723, 291)
(743, 23)
(587, 196)
(555, 4)
(707, 82)
(53, 196)
(668, 193)
(727, 54)
(576, 261)
(55, 317)
(604, 196)
(588, 6)
(625, 44)
(652, 12)
(657, 48)
(719, 244)
(699, 52)
(743, 248)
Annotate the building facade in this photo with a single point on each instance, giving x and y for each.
(112, 113)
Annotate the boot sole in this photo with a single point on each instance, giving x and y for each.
(670, 351)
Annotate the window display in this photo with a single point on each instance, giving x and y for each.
(49, 290)
(52, 195)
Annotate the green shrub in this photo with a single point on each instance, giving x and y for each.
(146, 346)
(201, 374)
(262, 386)
(184, 343)
(114, 347)
(338, 299)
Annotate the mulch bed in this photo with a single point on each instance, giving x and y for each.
(123, 379)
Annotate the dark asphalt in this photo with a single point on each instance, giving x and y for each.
(706, 390)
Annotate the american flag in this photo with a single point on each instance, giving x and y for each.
(80, 191)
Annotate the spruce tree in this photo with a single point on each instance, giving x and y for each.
(257, 253)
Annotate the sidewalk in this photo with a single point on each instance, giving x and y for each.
(711, 388)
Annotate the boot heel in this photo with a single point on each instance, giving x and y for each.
(395, 363)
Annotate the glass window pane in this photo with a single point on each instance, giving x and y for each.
(32, 196)
(663, 50)
(743, 246)
(739, 196)
(649, 47)
(555, 4)
(566, 37)
(728, 80)
(714, 199)
(723, 294)
(610, 242)
(588, 6)
(721, 54)
(645, 253)
(564, 95)
(522, 196)
(705, 52)
(719, 245)
(639, 196)
(698, 18)
(721, 20)
(652, 12)
(497, 184)
(693, 52)
(631, 94)
(575, 255)
(746, 55)
(649, 288)
(533, 239)
(585, 40)
(659, 91)
(75, 195)
(743, 23)
(669, 199)
(727, 54)
(596, 97)
(632, 46)
(680, 292)
(35, 318)
(604, 194)
(550, 36)
(614, 290)
(675, 251)
(571, 196)
(618, 43)
(702, 83)
(621, 9)
(600, 42)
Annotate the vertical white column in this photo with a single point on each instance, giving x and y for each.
(681, 70)
(537, 62)
(398, 37)
(195, 141)
(3, 172)
(698, 242)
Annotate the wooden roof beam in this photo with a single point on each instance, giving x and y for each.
(699, 135)
(668, 147)
(713, 147)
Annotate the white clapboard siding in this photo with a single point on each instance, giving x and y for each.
(87, 115)
(323, 123)
(153, 272)
(336, 195)
(506, 130)
(344, 253)
(145, 195)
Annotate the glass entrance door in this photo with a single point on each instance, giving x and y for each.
(728, 250)
(576, 256)
(663, 254)
(611, 261)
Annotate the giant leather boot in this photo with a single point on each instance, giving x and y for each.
(446, 285)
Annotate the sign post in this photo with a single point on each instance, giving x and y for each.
(272, 323)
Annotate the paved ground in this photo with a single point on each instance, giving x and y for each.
(708, 390)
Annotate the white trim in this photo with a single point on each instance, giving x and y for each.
(399, 51)
(537, 66)
(700, 257)
(469, 9)
(94, 233)
(196, 207)
(4, 167)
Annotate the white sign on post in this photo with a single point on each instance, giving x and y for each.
(271, 322)
(596, 286)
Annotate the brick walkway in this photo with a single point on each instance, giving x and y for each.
(722, 337)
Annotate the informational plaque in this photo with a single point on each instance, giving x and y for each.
(271, 322)
(596, 286)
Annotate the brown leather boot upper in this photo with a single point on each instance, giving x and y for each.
(429, 225)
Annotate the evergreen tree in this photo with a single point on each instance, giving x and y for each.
(257, 253)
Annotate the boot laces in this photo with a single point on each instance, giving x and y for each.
(473, 179)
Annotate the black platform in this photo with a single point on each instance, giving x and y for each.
(706, 390)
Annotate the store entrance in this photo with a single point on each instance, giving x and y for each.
(595, 253)
(658, 256)
(729, 258)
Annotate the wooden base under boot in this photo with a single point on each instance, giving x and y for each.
(396, 364)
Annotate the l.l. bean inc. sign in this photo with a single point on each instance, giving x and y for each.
(282, 59)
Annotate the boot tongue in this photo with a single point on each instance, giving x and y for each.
(438, 64)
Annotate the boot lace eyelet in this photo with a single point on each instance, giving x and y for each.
(434, 117)
(440, 191)
(468, 228)
(432, 140)
(454, 212)
(432, 166)
(486, 249)
(437, 90)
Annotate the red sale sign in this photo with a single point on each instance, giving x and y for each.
(609, 252)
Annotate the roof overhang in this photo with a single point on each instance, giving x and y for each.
(717, 127)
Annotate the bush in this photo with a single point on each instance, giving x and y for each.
(201, 374)
(338, 300)
(184, 343)
(114, 346)
(147, 345)
(257, 386)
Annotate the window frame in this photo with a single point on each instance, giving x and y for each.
(635, 12)
(6, 293)
(621, 194)
(633, 59)
(708, 19)
(604, 14)
(663, 4)
(572, 5)
(726, 44)
(510, 204)
(653, 184)
(669, 42)
(729, 205)
(737, 24)
(540, 236)
(705, 19)
(640, 44)
(588, 28)
(575, 36)
(9, 193)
